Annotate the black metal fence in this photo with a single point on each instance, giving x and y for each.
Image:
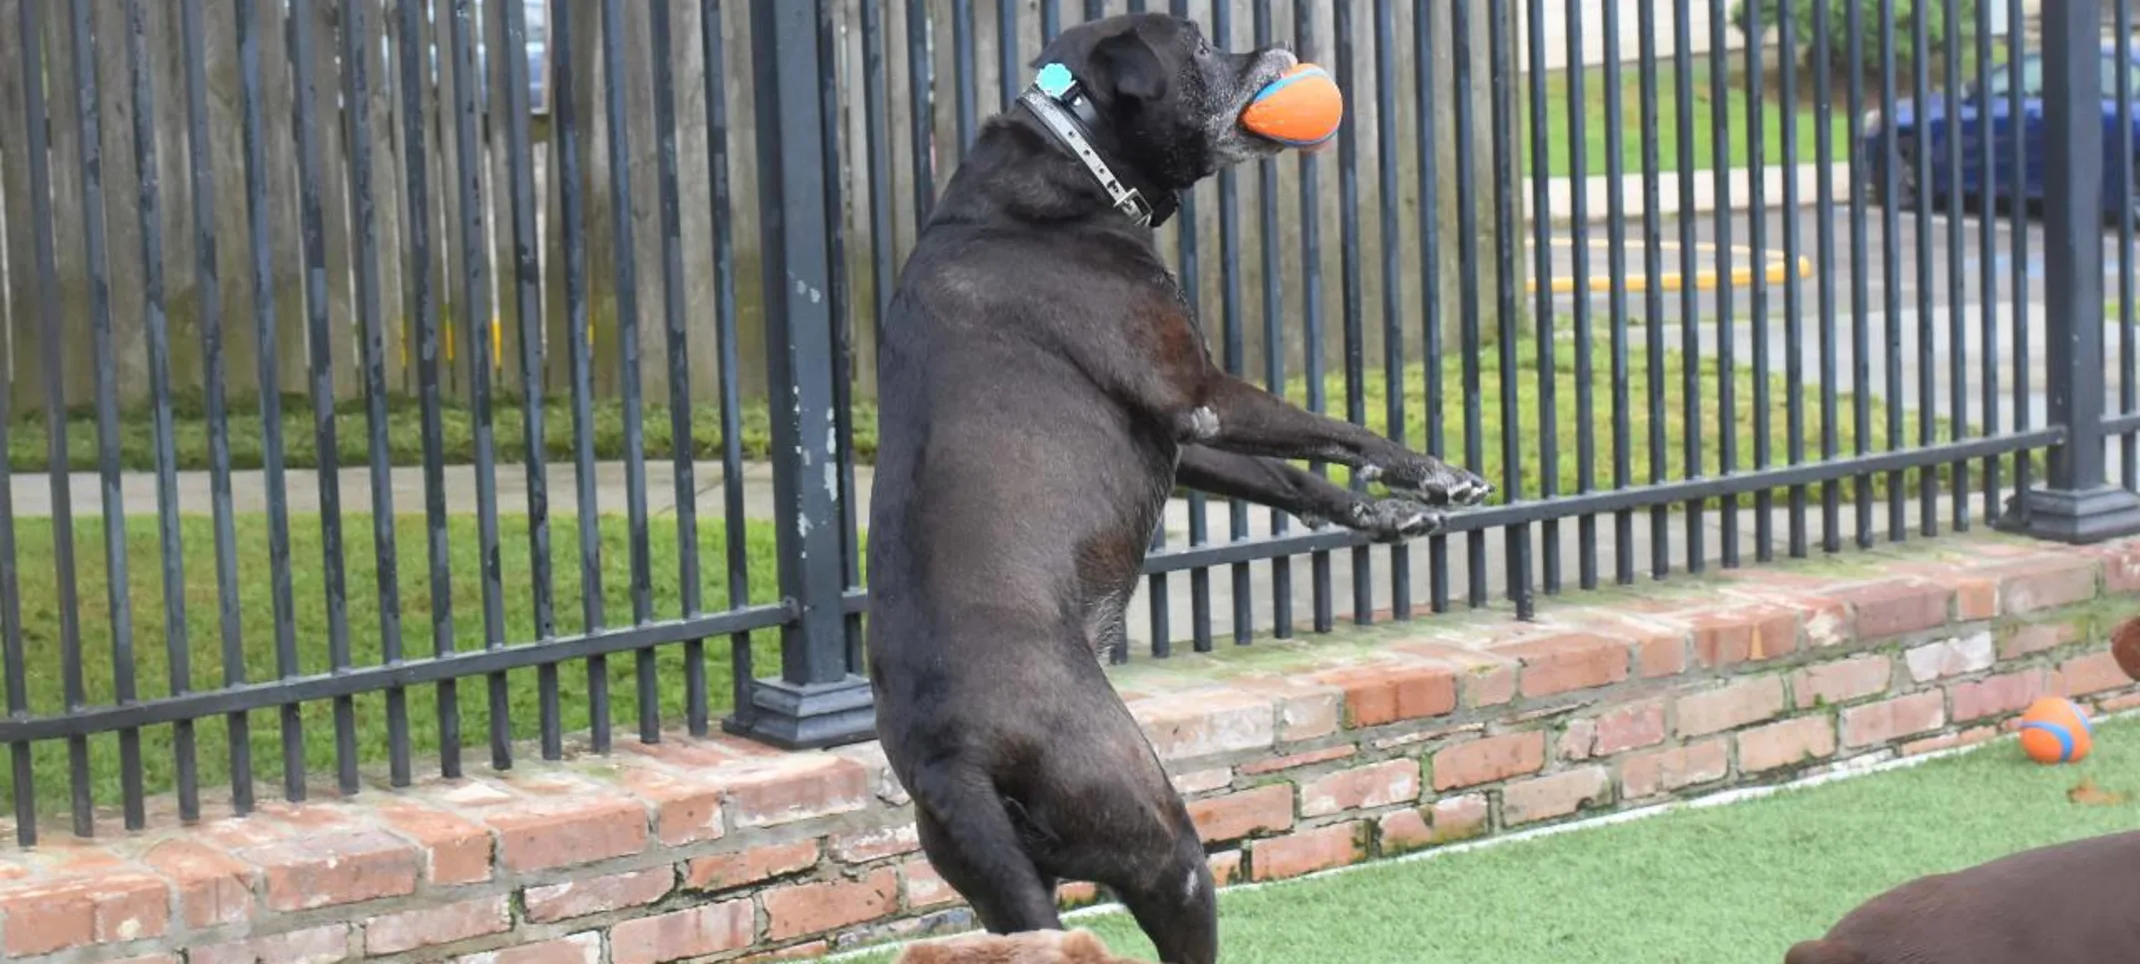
(1742, 284)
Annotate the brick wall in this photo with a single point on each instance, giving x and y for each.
(1300, 759)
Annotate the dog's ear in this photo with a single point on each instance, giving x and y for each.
(1127, 67)
(1823, 952)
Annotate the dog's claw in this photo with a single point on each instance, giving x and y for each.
(1439, 484)
(1394, 520)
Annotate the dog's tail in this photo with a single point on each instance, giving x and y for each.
(981, 853)
(1823, 952)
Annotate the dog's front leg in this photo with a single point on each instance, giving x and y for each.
(1305, 495)
(1236, 416)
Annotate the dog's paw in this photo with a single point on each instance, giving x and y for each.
(1437, 483)
(1393, 520)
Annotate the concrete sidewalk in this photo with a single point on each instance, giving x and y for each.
(1597, 191)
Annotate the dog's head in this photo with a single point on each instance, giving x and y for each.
(1171, 102)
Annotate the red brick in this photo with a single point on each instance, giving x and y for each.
(864, 846)
(723, 871)
(1630, 727)
(1310, 758)
(2045, 582)
(1957, 656)
(1748, 635)
(1189, 726)
(2119, 704)
(1566, 663)
(1459, 818)
(1968, 737)
(1305, 710)
(1893, 719)
(782, 790)
(104, 909)
(2038, 637)
(456, 850)
(2121, 565)
(1661, 655)
(431, 926)
(687, 809)
(1998, 695)
(150, 959)
(213, 887)
(317, 945)
(336, 868)
(698, 931)
(2093, 673)
(568, 832)
(1555, 796)
(1382, 694)
(595, 895)
(801, 909)
(1379, 785)
(1662, 771)
(1305, 852)
(1483, 678)
(1403, 832)
(1225, 868)
(924, 886)
(1489, 759)
(808, 950)
(1577, 741)
(1784, 744)
(1975, 599)
(1202, 781)
(1898, 606)
(1826, 684)
(582, 948)
(1237, 815)
(1730, 707)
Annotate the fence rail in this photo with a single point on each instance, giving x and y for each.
(546, 387)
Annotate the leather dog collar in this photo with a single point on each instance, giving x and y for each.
(1062, 107)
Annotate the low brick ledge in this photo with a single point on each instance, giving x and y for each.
(1295, 757)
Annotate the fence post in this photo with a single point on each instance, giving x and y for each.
(2077, 504)
(815, 701)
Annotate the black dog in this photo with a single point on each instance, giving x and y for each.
(1043, 387)
(2067, 904)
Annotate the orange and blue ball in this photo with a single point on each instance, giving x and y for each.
(1301, 109)
(2054, 730)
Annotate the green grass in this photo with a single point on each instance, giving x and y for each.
(310, 629)
(27, 451)
(1726, 885)
(1568, 422)
(1738, 138)
(405, 443)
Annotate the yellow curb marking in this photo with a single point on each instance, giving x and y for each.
(1775, 271)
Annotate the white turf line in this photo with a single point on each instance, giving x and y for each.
(1846, 770)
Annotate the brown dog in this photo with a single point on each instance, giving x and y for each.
(2125, 647)
(1030, 947)
(2068, 904)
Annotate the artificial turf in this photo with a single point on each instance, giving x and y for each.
(1734, 884)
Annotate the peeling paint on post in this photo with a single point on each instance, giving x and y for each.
(815, 701)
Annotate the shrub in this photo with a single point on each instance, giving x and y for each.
(1901, 22)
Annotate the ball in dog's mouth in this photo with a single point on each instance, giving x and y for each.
(2125, 646)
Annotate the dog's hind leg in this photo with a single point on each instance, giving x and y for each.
(970, 840)
(1177, 907)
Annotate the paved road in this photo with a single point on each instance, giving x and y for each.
(1838, 269)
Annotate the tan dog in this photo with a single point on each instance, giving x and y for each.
(1030, 947)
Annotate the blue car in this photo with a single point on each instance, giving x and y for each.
(1979, 113)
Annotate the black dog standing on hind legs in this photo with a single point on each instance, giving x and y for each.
(1042, 389)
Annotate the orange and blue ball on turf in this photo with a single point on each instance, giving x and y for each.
(2055, 730)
